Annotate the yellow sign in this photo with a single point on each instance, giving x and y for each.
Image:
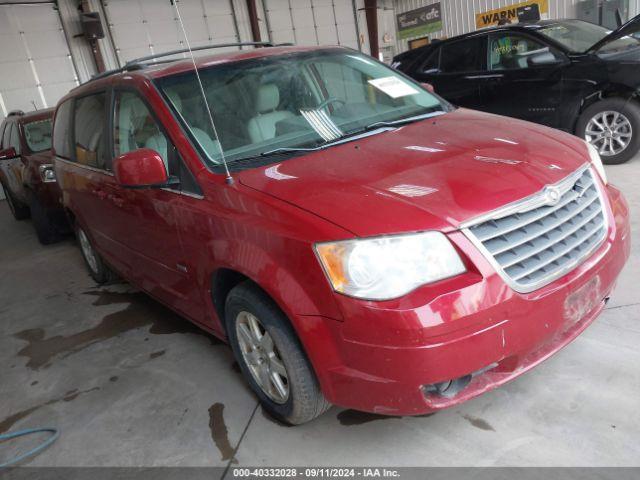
(523, 11)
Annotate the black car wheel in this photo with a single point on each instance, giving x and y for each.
(271, 357)
(46, 229)
(97, 268)
(19, 210)
(612, 126)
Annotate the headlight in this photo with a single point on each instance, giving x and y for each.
(596, 161)
(388, 267)
(47, 173)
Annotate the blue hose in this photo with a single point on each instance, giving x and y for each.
(30, 431)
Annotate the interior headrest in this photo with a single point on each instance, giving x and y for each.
(175, 99)
(268, 98)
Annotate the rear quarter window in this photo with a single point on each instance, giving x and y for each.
(90, 121)
(62, 130)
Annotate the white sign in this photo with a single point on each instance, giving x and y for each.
(393, 86)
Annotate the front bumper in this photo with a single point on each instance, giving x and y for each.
(385, 355)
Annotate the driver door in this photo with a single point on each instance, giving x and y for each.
(518, 83)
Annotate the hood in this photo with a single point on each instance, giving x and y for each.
(433, 174)
(629, 28)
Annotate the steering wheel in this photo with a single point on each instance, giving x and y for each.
(329, 101)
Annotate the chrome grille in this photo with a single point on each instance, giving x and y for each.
(536, 240)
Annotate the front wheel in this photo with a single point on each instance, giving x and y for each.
(612, 126)
(271, 357)
(46, 229)
(97, 268)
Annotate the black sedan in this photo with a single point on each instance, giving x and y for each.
(568, 74)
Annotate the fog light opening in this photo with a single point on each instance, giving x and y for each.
(450, 388)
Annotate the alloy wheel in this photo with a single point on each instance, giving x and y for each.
(610, 132)
(87, 251)
(262, 358)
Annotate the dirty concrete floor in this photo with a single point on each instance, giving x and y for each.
(131, 384)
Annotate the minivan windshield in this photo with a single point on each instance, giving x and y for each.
(300, 100)
(38, 135)
(578, 37)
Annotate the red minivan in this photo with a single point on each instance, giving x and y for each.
(355, 238)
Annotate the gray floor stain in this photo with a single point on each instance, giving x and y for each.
(479, 423)
(157, 354)
(219, 432)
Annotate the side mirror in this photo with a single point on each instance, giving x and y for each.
(544, 59)
(143, 168)
(428, 87)
(8, 153)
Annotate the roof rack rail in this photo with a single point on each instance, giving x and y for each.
(15, 113)
(138, 63)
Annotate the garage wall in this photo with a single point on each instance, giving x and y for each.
(459, 15)
(312, 22)
(35, 63)
(145, 27)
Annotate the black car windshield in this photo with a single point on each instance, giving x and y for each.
(38, 135)
(291, 101)
(578, 37)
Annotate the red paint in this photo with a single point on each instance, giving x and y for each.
(140, 168)
(21, 174)
(372, 356)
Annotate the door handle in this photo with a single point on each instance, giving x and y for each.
(485, 77)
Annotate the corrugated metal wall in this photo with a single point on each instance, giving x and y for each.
(459, 15)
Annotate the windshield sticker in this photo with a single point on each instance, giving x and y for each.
(393, 86)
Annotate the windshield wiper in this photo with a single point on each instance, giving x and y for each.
(404, 121)
(371, 129)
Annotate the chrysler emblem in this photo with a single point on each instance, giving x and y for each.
(552, 196)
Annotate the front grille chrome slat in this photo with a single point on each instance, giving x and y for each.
(531, 243)
(543, 229)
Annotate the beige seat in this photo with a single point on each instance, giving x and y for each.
(263, 126)
(158, 142)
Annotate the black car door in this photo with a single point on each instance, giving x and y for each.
(452, 68)
(524, 78)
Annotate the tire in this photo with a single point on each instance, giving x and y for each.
(19, 210)
(304, 400)
(627, 130)
(92, 259)
(46, 229)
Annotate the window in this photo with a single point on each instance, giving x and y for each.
(62, 131)
(511, 52)
(38, 135)
(462, 56)
(14, 140)
(134, 127)
(432, 63)
(89, 129)
(300, 100)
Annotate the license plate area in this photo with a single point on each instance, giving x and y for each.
(582, 301)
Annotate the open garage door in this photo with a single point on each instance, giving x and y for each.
(145, 27)
(312, 22)
(35, 65)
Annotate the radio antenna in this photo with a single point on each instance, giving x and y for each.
(229, 178)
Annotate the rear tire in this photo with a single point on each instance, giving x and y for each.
(277, 359)
(610, 123)
(46, 229)
(19, 210)
(92, 259)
